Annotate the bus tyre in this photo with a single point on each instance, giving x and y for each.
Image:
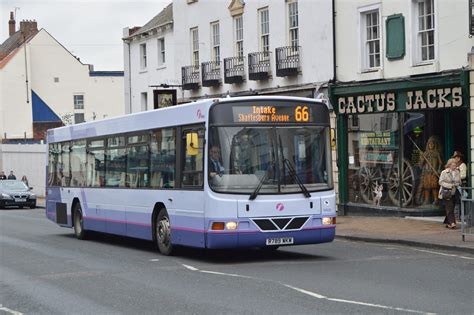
(163, 233)
(79, 222)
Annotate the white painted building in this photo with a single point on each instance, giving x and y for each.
(402, 101)
(218, 48)
(43, 85)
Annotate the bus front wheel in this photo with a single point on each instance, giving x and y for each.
(79, 222)
(163, 233)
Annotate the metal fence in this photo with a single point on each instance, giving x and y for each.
(467, 212)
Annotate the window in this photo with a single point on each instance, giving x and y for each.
(78, 101)
(53, 164)
(163, 158)
(215, 40)
(293, 23)
(193, 159)
(161, 52)
(64, 165)
(264, 29)
(78, 163)
(425, 50)
(96, 164)
(195, 46)
(239, 36)
(143, 56)
(138, 162)
(370, 23)
(79, 118)
(144, 101)
(115, 163)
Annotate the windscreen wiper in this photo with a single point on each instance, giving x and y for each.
(295, 176)
(259, 186)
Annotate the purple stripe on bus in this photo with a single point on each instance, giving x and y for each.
(116, 221)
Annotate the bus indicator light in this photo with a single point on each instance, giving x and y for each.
(217, 226)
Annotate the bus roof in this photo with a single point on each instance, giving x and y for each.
(183, 114)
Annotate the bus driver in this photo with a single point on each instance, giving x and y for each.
(215, 164)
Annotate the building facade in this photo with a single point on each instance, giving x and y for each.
(402, 99)
(45, 86)
(220, 48)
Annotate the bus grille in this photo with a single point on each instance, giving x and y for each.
(280, 224)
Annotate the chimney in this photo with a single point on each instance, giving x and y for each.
(11, 25)
(28, 28)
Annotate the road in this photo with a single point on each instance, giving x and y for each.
(45, 270)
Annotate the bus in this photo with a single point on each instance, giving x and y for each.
(242, 172)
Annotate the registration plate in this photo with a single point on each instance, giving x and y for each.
(280, 241)
(20, 200)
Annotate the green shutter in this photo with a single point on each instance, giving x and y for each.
(395, 26)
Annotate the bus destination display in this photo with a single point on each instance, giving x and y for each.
(272, 114)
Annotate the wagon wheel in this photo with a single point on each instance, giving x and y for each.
(368, 179)
(408, 189)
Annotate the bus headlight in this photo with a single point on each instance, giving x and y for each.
(329, 221)
(231, 225)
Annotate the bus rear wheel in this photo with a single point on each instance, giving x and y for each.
(163, 233)
(79, 222)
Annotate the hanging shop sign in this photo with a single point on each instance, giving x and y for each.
(436, 98)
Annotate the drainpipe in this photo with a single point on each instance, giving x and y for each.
(129, 79)
(334, 40)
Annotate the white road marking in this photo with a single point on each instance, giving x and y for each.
(190, 267)
(313, 294)
(442, 254)
(6, 309)
(156, 259)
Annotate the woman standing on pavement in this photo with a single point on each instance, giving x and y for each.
(449, 180)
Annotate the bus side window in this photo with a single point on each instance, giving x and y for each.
(193, 164)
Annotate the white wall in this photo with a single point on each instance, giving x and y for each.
(15, 113)
(102, 95)
(138, 80)
(315, 31)
(25, 159)
(452, 42)
(47, 59)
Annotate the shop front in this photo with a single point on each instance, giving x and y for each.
(394, 138)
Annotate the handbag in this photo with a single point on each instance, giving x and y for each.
(445, 193)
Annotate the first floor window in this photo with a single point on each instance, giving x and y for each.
(161, 52)
(371, 39)
(239, 36)
(195, 46)
(426, 30)
(293, 23)
(79, 101)
(143, 61)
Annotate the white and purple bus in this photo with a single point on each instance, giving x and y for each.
(217, 173)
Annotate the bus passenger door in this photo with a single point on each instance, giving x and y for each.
(187, 217)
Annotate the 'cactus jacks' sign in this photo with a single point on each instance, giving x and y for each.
(426, 99)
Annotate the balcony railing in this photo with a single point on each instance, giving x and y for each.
(287, 61)
(190, 77)
(259, 65)
(234, 70)
(211, 73)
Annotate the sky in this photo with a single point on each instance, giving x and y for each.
(90, 29)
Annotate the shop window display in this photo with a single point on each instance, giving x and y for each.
(377, 151)
(373, 159)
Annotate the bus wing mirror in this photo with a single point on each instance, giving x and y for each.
(192, 144)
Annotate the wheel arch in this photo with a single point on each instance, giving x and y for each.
(73, 204)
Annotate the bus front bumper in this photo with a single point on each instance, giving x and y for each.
(314, 235)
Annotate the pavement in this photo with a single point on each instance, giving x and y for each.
(425, 232)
